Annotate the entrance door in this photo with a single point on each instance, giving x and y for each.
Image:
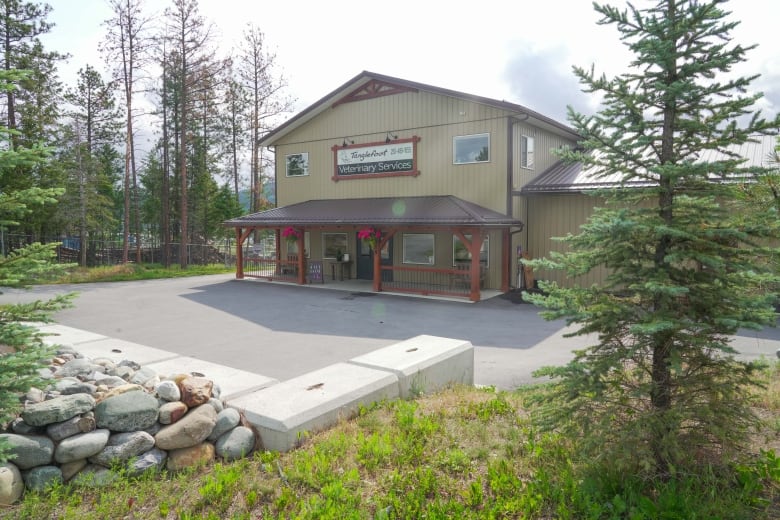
(365, 261)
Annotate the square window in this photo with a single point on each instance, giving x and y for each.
(334, 245)
(297, 164)
(461, 254)
(419, 248)
(526, 152)
(467, 149)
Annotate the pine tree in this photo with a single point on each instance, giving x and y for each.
(687, 262)
(22, 352)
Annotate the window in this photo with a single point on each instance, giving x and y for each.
(526, 152)
(292, 247)
(297, 164)
(418, 248)
(471, 149)
(334, 245)
(461, 254)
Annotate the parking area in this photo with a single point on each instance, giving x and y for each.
(284, 330)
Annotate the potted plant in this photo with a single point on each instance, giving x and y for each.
(370, 236)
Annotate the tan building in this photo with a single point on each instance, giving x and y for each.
(437, 173)
(457, 186)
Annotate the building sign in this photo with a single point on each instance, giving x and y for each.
(385, 159)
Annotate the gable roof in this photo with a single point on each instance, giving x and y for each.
(564, 177)
(423, 211)
(370, 84)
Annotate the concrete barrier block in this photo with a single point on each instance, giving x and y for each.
(424, 363)
(286, 412)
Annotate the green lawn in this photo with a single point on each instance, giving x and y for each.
(459, 453)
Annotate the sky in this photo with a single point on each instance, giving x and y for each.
(519, 51)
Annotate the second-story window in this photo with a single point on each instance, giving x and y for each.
(526, 152)
(297, 164)
(468, 149)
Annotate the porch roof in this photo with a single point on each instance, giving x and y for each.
(422, 211)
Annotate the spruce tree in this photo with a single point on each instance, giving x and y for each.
(687, 263)
(22, 351)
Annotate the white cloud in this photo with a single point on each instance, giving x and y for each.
(517, 51)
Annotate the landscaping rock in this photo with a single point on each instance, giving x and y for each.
(95, 476)
(192, 456)
(70, 469)
(142, 376)
(80, 387)
(172, 412)
(195, 391)
(188, 431)
(42, 477)
(11, 484)
(123, 447)
(73, 426)
(235, 444)
(76, 367)
(58, 409)
(168, 391)
(81, 446)
(35, 395)
(130, 411)
(28, 451)
(152, 460)
(216, 404)
(226, 420)
(22, 428)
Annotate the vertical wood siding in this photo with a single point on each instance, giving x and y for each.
(557, 215)
(544, 144)
(436, 119)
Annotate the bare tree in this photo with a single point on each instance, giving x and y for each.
(256, 72)
(190, 37)
(127, 47)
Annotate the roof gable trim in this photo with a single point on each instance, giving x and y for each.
(373, 89)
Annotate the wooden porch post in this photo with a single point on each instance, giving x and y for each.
(239, 256)
(301, 258)
(506, 259)
(474, 247)
(381, 243)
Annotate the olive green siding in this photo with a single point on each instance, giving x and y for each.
(435, 119)
(544, 144)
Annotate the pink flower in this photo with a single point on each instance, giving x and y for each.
(290, 233)
(370, 235)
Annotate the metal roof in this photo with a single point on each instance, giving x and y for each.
(564, 177)
(364, 77)
(424, 211)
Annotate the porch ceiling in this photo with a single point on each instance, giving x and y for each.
(424, 211)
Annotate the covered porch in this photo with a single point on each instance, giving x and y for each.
(429, 246)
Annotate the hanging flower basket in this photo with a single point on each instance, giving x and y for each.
(370, 236)
(291, 234)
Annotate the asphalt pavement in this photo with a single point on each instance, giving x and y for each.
(283, 330)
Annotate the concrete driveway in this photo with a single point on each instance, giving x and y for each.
(282, 331)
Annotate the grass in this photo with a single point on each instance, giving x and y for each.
(131, 272)
(460, 453)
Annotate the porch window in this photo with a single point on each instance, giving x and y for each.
(297, 164)
(334, 245)
(461, 254)
(468, 149)
(526, 152)
(292, 247)
(419, 248)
